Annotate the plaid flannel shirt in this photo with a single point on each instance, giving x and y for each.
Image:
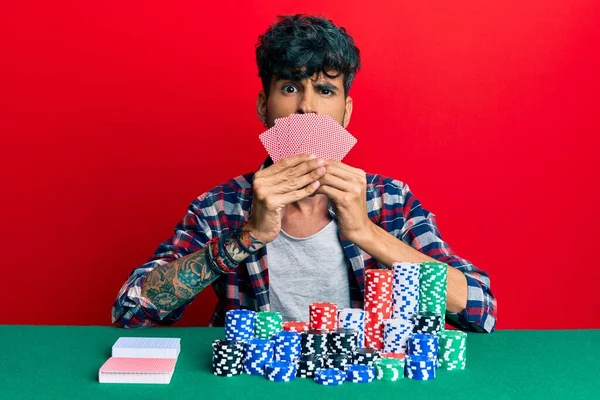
(391, 205)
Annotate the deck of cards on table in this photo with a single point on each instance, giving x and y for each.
(141, 360)
(315, 134)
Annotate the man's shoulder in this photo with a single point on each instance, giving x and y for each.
(384, 186)
(233, 192)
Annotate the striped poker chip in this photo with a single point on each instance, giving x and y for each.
(339, 361)
(398, 356)
(267, 323)
(378, 305)
(405, 290)
(239, 325)
(423, 344)
(342, 340)
(258, 353)
(228, 357)
(389, 369)
(329, 376)
(287, 346)
(365, 356)
(354, 318)
(452, 350)
(395, 335)
(295, 326)
(433, 284)
(308, 364)
(420, 368)
(314, 342)
(360, 373)
(322, 316)
(280, 371)
(428, 322)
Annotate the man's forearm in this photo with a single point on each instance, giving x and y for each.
(174, 284)
(388, 249)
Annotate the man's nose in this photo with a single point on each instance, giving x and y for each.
(307, 103)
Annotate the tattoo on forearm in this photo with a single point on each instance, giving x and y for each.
(174, 284)
(247, 241)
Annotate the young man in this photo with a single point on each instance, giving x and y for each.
(303, 229)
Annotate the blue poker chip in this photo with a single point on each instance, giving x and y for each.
(280, 371)
(360, 373)
(329, 376)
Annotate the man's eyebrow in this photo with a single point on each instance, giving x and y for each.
(325, 86)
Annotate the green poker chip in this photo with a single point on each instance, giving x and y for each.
(267, 323)
(452, 350)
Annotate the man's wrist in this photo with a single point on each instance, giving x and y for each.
(364, 237)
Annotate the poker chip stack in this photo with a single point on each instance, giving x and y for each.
(452, 350)
(323, 316)
(365, 356)
(353, 318)
(314, 342)
(228, 357)
(330, 376)
(420, 368)
(360, 373)
(308, 364)
(428, 322)
(432, 289)
(395, 335)
(239, 325)
(405, 288)
(267, 323)
(287, 346)
(259, 352)
(337, 360)
(423, 344)
(280, 371)
(295, 326)
(378, 305)
(342, 340)
(389, 369)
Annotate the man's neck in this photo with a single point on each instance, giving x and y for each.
(308, 208)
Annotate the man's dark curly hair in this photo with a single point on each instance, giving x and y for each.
(298, 46)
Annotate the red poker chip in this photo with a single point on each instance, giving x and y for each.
(323, 316)
(295, 326)
(393, 355)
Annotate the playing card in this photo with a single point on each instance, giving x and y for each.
(311, 133)
(269, 141)
(289, 139)
(322, 136)
(138, 365)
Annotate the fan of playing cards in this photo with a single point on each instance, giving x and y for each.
(315, 134)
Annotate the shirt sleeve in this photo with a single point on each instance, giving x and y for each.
(420, 230)
(131, 309)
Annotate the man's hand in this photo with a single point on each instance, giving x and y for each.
(346, 187)
(288, 180)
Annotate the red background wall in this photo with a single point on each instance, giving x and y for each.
(114, 116)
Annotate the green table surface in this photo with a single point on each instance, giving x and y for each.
(62, 362)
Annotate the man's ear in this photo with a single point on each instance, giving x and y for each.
(348, 111)
(261, 107)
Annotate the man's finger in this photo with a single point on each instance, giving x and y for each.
(345, 167)
(336, 182)
(286, 163)
(300, 194)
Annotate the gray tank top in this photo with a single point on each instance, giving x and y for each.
(307, 270)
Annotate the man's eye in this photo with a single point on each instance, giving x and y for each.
(289, 88)
(326, 92)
